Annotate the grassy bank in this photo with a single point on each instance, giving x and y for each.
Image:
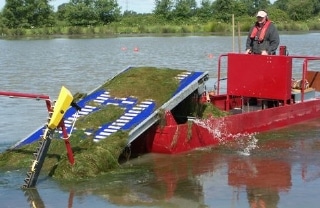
(138, 28)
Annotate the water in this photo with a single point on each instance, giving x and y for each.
(279, 168)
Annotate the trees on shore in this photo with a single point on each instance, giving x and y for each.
(28, 14)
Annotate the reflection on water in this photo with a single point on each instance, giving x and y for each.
(263, 179)
(275, 169)
(34, 198)
(271, 176)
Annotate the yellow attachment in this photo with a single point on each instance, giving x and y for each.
(61, 106)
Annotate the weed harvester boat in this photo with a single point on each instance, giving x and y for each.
(260, 93)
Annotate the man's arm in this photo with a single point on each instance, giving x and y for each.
(274, 39)
(248, 43)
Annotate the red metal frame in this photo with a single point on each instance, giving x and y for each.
(66, 141)
(219, 72)
(306, 60)
(46, 98)
(270, 79)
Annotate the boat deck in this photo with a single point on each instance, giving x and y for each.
(260, 104)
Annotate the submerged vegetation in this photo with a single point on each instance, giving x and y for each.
(96, 158)
(92, 158)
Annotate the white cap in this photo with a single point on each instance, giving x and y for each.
(261, 14)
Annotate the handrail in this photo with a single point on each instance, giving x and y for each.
(24, 95)
(219, 72)
(46, 98)
(305, 70)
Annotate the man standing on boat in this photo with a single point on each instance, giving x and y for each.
(263, 37)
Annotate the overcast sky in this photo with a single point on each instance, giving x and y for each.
(139, 6)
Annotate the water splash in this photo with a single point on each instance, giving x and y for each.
(216, 128)
(245, 142)
(248, 145)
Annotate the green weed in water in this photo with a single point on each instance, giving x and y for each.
(92, 158)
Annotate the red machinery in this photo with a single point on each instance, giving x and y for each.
(44, 143)
(265, 79)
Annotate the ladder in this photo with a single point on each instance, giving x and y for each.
(55, 121)
(40, 154)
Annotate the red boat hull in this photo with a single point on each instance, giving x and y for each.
(174, 138)
(266, 79)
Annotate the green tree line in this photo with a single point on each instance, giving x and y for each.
(211, 14)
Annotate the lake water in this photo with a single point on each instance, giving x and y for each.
(280, 169)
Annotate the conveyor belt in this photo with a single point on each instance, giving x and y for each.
(138, 116)
(189, 83)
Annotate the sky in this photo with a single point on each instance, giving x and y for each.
(139, 6)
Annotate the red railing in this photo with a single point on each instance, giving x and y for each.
(46, 98)
(306, 60)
